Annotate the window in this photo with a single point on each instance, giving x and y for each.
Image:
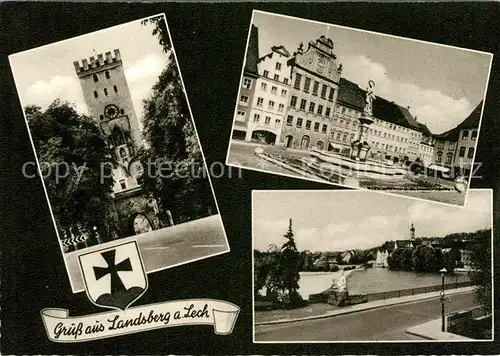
(276, 77)
(281, 107)
(323, 129)
(473, 135)
(461, 153)
(338, 136)
(308, 124)
(278, 66)
(266, 73)
(244, 100)
(283, 92)
(323, 91)
(122, 111)
(271, 104)
(107, 74)
(95, 77)
(303, 104)
(285, 80)
(344, 137)
(320, 109)
(439, 157)
(320, 145)
(263, 86)
(307, 84)
(451, 145)
(277, 121)
(327, 112)
(470, 154)
(298, 79)
(123, 183)
(311, 107)
(289, 120)
(465, 135)
(105, 91)
(260, 101)
(352, 136)
(440, 145)
(341, 122)
(330, 95)
(293, 101)
(95, 94)
(240, 116)
(115, 88)
(449, 157)
(268, 120)
(315, 88)
(299, 122)
(256, 118)
(316, 126)
(274, 90)
(101, 117)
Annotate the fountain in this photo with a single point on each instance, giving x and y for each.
(358, 166)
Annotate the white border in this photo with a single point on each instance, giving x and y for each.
(119, 241)
(343, 185)
(334, 316)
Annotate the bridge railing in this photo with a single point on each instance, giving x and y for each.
(413, 291)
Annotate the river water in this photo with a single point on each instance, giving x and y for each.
(373, 280)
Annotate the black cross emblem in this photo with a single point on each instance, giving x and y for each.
(112, 269)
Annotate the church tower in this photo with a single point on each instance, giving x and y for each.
(109, 102)
(412, 232)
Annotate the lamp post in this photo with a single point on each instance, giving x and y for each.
(443, 272)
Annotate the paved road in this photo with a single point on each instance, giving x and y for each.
(167, 247)
(387, 323)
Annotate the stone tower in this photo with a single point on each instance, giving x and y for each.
(109, 102)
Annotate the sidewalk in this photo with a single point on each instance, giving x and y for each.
(431, 330)
(318, 311)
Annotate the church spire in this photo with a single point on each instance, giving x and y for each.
(412, 232)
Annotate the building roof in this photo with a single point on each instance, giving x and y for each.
(403, 243)
(471, 122)
(252, 57)
(352, 95)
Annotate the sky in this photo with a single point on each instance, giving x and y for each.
(339, 220)
(47, 73)
(442, 85)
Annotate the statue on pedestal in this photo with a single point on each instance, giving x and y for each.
(370, 97)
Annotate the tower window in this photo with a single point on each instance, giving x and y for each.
(122, 111)
(105, 91)
(96, 78)
(115, 88)
(95, 94)
(107, 74)
(101, 117)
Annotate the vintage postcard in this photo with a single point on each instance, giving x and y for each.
(118, 150)
(360, 109)
(356, 266)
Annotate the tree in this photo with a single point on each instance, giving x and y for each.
(176, 175)
(76, 164)
(427, 259)
(452, 259)
(284, 275)
(481, 272)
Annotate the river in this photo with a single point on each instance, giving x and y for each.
(373, 280)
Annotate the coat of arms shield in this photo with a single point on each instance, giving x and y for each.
(114, 277)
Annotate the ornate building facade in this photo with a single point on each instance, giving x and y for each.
(315, 79)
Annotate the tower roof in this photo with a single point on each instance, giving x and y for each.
(93, 64)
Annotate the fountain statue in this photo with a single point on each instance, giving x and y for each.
(370, 97)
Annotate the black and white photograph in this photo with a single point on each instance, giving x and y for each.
(117, 148)
(361, 109)
(357, 266)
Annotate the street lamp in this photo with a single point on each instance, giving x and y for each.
(443, 272)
